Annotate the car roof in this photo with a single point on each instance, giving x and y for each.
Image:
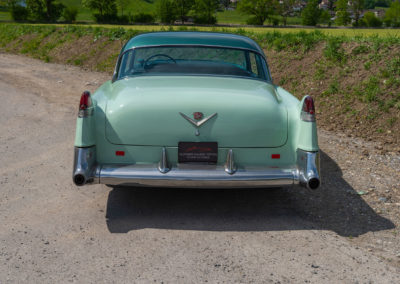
(192, 38)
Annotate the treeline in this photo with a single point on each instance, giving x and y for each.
(48, 11)
(338, 12)
(106, 11)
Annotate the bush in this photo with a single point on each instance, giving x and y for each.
(19, 13)
(44, 11)
(370, 20)
(392, 16)
(123, 19)
(334, 51)
(143, 18)
(106, 18)
(275, 21)
(205, 20)
(69, 14)
(311, 13)
(254, 21)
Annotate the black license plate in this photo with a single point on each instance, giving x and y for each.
(198, 152)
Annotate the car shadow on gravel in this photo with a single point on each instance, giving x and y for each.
(335, 206)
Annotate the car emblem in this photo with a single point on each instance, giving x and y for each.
(197, 123)
(197, 115)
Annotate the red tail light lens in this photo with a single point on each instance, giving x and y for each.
(308, 110)
(86, 101)
(120, 153)
(85, 104)
(308, 105)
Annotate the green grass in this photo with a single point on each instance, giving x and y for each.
(5, 16)
(84, 14)
(352, 34)
(231, 17)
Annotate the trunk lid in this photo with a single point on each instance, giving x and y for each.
(146, 111)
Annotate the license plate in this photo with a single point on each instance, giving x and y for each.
(198, 152)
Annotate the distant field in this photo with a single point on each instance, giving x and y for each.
(231, 17)
(5, 16)
(349, 32)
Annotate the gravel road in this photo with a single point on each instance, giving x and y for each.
(54, 232)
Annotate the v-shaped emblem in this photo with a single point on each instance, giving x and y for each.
(197, 123)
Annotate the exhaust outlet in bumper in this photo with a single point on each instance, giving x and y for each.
(308, 169)
(84, 165)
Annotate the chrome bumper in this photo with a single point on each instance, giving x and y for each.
(305, 173)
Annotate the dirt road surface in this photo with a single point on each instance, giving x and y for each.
(53, 232)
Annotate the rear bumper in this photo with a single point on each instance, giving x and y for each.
(305, 173)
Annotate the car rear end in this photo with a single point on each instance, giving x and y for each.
(259, 139)
(198, 110)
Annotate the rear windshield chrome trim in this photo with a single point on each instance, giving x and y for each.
(193, 75)
(267, 73)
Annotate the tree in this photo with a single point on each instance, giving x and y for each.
(19, 13)
(225, 3)
(325, 18)
(260, 10)
(357, 6)
(205, 11)
(182, 8)
(166, 11)
(121, 4)
(383, 3)
(44, 10)
(342, 13)
(369, 4)
(107, 9)
(70, 14)
(331, 5)
(392, 16)
(311, 13)
(370, 20)
(285, 9)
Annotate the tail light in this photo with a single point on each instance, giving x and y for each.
(119, 153)
(85, 104)
(308, 109)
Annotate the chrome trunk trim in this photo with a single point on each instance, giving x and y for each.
(230, 166)
(197, 123)
(163, 164)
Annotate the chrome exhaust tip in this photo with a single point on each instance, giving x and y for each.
(79, 180)
(313, 183)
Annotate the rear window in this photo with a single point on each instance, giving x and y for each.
(190, 60)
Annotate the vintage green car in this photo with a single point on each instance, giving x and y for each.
(195, 109)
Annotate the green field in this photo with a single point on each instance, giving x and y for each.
(231, 17)
(228, 17)
(4, 15)
(346, 32)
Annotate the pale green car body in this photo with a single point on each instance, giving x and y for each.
(140, 115)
